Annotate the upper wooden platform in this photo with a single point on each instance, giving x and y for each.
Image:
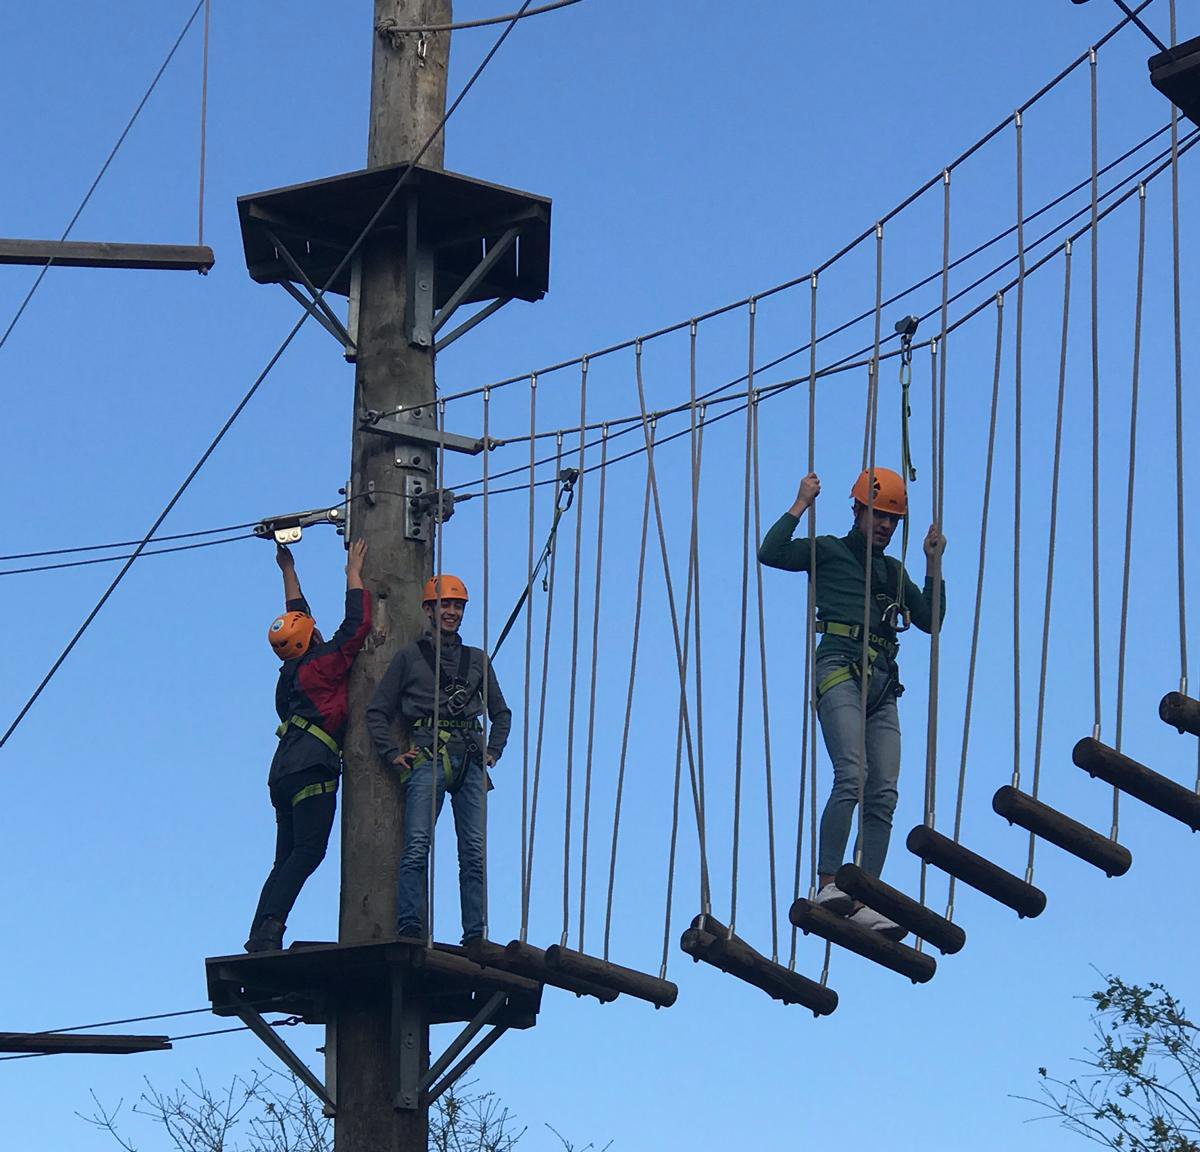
(311, 979)
(63, 1043)
(78, 254)
(454, 216)
(1176, 74)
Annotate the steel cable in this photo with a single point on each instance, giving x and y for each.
(1017, 398)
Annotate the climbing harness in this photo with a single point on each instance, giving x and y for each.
(456, 688)
(321, 788)
(567, 478)
(312, 729)
(876, 645)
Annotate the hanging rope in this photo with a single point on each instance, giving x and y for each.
(485, 719)
(203, 124)
(1054, 485)
(1133, 409)
(983, 531)
(440, 477)
(766, 709)
(633, 655)
(1095, 405)
(696, 446)
(741, 696)
(1016, 585)
(697, 783)
(574, 666)
(808, 704)
(541, 721)
(587, 780)
(528, 669)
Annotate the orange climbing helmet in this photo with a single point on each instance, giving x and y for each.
(452, 588)
(291, 634)
(890, 493)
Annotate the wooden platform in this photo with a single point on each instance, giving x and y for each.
(64, 1043)
(311, 979)
(77, 254)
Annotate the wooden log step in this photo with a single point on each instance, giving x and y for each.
(660, 993)
(526, 960)
(709, 940)
(971, 868)
(1180, 712)
(1018, 808)
(924, 922)
(1137, 780)
(809, 917)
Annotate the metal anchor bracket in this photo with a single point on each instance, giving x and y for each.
(289, 528)
(416, 433)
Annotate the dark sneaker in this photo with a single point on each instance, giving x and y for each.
(266, 935)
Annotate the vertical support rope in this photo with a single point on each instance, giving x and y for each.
(1050, 546)
(808, 726)
(485, 719)
(1017, 354)
(697, 783)
(741, 691)
(574, 655)
(552, 547)
(693, 588)
(766, 708)
(869, 546)
(983, 531)
(528, 657)
(434, 760)
(633, 655)
(1179, 489)
(1133, 408)
(591, 732)
(1095, 238)
(203, 123)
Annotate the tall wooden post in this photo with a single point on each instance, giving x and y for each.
(408, 98)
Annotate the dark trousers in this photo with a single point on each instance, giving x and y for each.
(301, 837)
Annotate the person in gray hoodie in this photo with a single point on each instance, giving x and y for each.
(451, 759)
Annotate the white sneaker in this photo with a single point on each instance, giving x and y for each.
(868, 918)
(834, 900)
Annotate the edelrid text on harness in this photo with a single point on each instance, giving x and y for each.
(312, 729)
(876, 644)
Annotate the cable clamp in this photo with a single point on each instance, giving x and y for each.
(289, 528)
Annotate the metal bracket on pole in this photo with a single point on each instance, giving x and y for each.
(452, 1076)
(330, 1053)
(355, 299)
(481, 1020)
(289, 528)
(407, 1056)
(254, 1021)
(314, 304)
(419, 266)
(416, 490)
(417, 424)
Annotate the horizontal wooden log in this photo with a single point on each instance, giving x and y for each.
(530, 962)
(1180, 712)
(75, 254)
(943, 934)
(1070, 835)
(64, 1043)
(840, 930)
(643, 986)
(708, 940)
(981, 874)
(1137, 780)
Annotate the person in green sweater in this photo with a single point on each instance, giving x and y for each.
(840, 574)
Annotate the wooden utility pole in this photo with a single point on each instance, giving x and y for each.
(408, 99)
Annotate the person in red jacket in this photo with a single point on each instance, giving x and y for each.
(311, 701)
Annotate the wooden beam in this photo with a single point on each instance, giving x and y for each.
(76, 254)
(1070, 835)
(840, 930)
(1180, 712)
(62, 1043)
(971, 868)
(1137, 780)
(904, 910)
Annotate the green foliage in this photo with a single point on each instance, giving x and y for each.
(1141, 1092)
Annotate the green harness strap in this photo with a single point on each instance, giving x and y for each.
(312, 729)
(321, 788)
(853, 670)
(443, 742)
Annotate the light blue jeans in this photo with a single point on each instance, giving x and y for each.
(467, 802)
(839, 711)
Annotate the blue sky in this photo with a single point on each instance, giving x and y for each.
(694, 158)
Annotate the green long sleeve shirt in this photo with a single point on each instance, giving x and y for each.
(841, 578)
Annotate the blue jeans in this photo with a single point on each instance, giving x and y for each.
(839, 711)
(466, 799)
